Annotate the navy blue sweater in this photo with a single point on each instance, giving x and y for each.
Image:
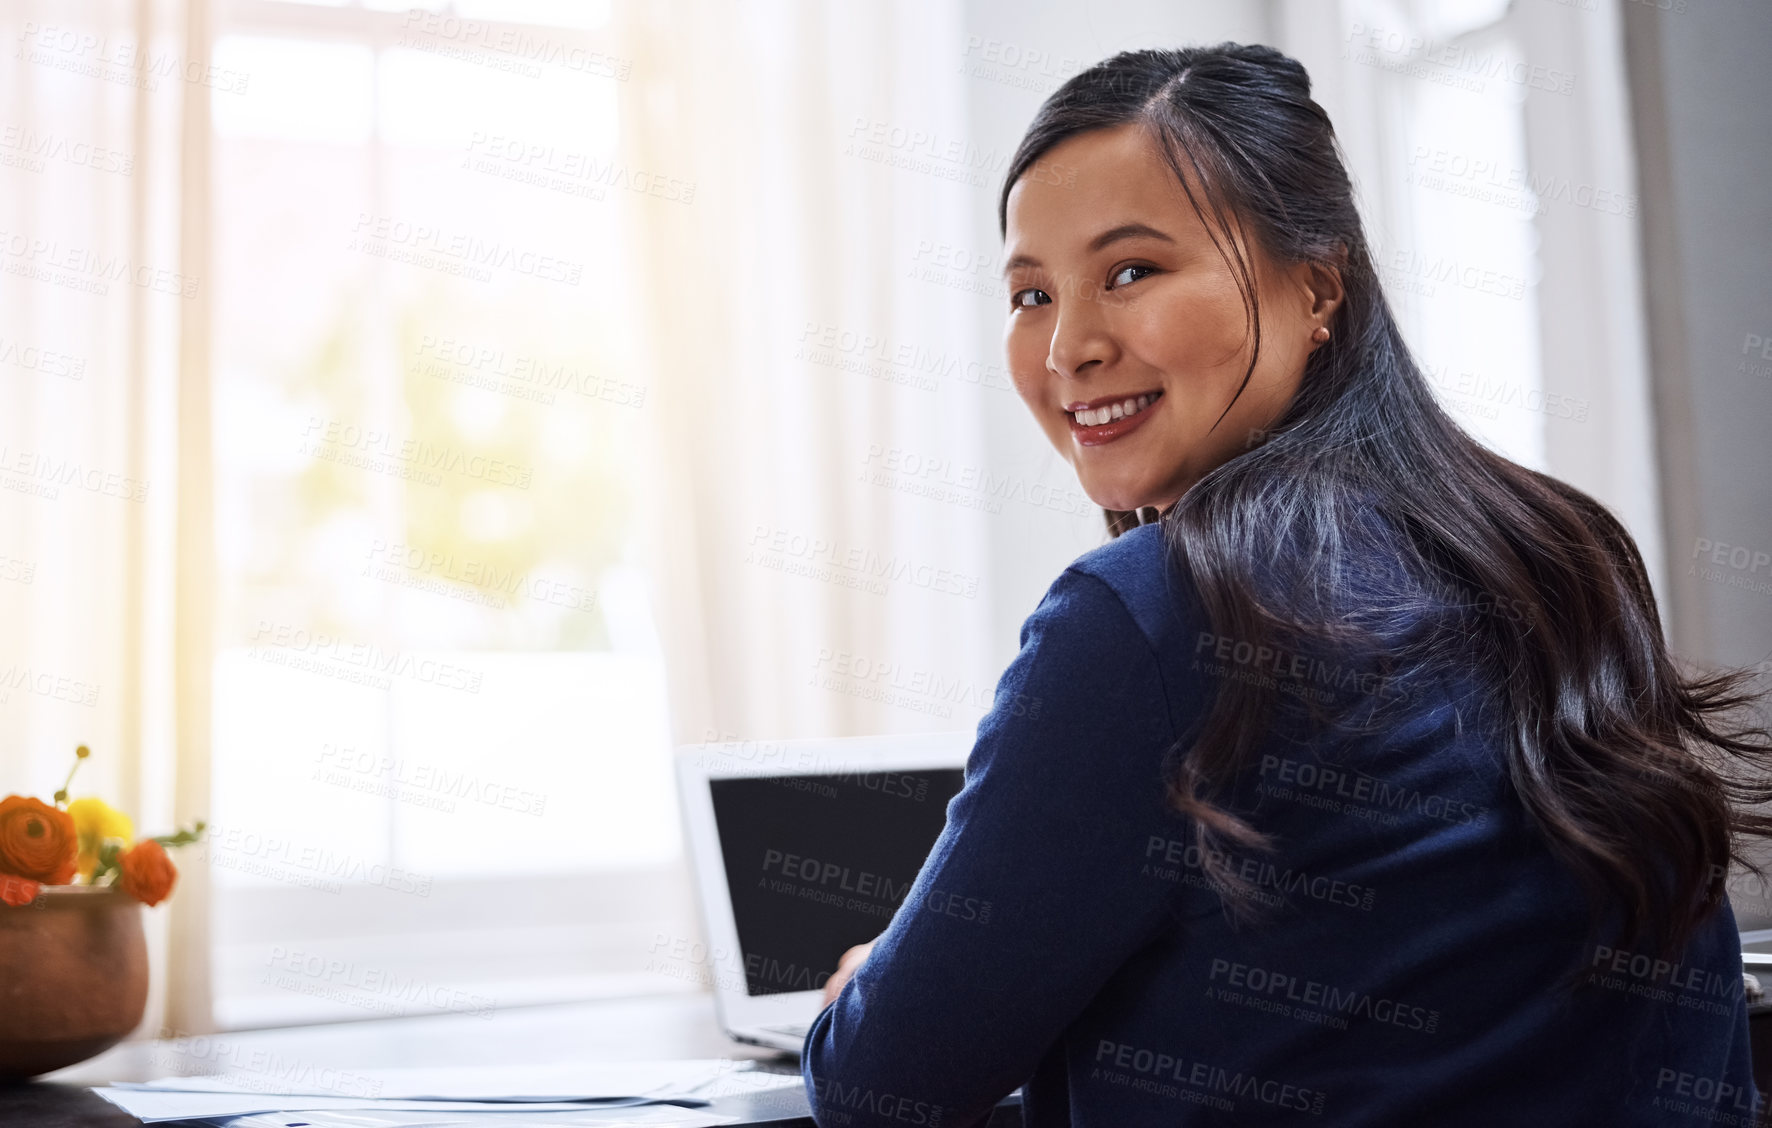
(1065, 935)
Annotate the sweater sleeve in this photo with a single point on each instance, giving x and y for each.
(1032, 896)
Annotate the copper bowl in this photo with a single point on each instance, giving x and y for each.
(73, 977)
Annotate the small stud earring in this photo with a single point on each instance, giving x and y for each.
(1320, 333)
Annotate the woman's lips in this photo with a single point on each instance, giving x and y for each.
(1086, 435)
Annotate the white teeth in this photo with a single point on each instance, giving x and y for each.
(1108, 414)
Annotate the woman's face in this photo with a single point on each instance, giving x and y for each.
(1118, 299)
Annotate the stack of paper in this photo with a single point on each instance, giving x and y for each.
(653, 1094)
(651, 1116)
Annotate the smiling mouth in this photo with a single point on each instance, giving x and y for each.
(1114, 409)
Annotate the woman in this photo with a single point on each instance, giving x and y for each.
(1365, 791)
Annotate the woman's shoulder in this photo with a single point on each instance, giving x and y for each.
(1138, 568)
(1144, 573)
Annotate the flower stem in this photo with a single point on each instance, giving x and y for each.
(80, 753)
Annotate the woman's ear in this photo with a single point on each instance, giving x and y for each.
(1322, 282)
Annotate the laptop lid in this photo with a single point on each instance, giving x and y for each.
(802, 849)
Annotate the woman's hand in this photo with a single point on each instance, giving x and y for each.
(846, 966)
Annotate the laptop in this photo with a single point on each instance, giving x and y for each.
(801, 850)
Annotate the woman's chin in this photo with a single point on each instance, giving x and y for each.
(1129, 497)
(1119, 500)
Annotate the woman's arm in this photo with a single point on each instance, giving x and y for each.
(1035, 893)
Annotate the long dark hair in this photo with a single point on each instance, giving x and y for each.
(1635, 774)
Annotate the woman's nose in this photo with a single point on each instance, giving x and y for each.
(1080, 341)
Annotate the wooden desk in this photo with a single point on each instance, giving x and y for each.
(671, 1026)
(676, 1026)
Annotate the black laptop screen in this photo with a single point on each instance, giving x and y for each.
(819, 863)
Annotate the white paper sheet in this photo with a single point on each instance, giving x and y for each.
(575, 1081)
(649, 1116)
(154, 1105)
(492, 1093)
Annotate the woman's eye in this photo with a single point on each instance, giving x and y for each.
(1029, 297)
(1124, 274)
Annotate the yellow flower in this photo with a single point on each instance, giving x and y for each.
(94, 822)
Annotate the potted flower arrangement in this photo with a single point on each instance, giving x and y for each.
(73, 958)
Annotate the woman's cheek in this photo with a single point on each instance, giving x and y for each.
(1027, 370)
(1189, 327)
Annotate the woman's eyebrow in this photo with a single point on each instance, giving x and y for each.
(1107, 238)
(1127, 231)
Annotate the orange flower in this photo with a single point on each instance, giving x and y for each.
(37, 841)
(17, 890)
(147, 873)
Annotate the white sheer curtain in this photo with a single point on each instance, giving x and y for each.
(1490, 148)
(820, 539)
(103, 427)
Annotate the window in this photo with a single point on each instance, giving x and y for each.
(439, 702)
(1456, 247)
